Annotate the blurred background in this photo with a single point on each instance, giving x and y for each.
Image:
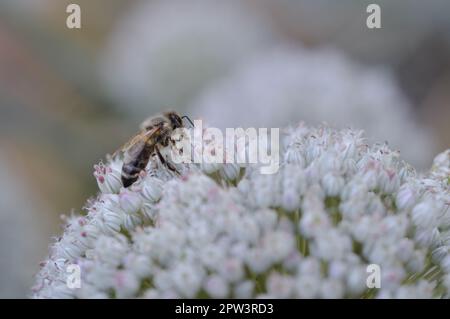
(70, 96)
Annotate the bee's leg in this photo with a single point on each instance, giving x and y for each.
(165, 141)
(164, 162)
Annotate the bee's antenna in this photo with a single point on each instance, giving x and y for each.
(187, 118)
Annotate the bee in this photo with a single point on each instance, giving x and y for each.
(155, 134)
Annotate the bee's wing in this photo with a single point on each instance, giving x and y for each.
(151, 122)
(136, 142)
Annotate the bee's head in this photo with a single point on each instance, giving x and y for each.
(175, 120)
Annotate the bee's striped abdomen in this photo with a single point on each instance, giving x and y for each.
(132, 168)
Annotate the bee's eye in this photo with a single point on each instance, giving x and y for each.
(176, 120)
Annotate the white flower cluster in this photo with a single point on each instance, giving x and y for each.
(335, 206)
(292, 83)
